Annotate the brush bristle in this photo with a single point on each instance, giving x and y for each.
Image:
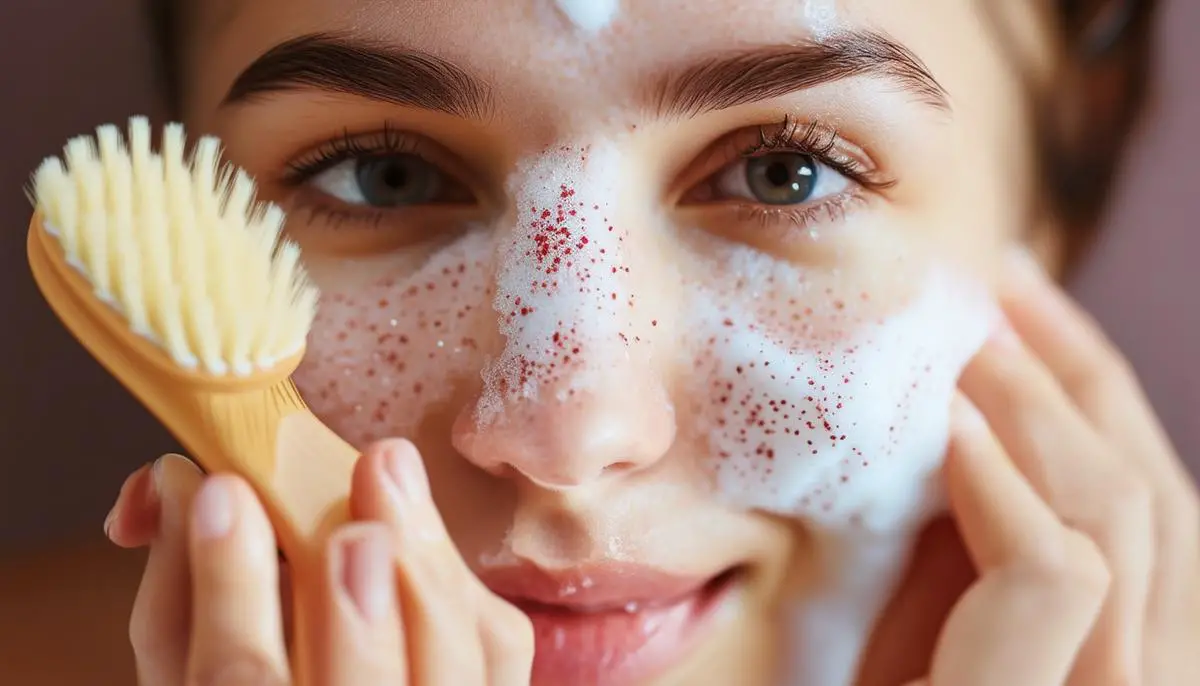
(177, 244)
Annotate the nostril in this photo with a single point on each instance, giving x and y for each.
(620, 468)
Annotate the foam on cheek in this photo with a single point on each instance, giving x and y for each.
(562, 291)
(826, 405)
(379, 356)
(830, 405)
(589, 15)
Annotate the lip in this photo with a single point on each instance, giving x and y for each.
(609, 624)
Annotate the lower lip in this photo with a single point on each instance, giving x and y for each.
(622, 647)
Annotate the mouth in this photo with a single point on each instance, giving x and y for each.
(611, 624)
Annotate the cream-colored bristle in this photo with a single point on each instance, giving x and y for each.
(178, 245)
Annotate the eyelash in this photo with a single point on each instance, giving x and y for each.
(818, 142)
(389, 141)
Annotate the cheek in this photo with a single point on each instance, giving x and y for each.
(828, 403)
(382, 355)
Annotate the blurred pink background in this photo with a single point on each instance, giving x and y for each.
(1144, 281)
(69, 434)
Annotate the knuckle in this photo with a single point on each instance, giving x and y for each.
(1071, 564)
(241, 669)
(1080, 567)
(1103, 373)
(1130, 499)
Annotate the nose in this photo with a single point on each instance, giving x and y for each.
(623, 425)
(576, 392)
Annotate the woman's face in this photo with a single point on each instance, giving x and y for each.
(648, 286)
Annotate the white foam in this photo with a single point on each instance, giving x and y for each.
(561, 287)
(821, 17)
(818, 412)
(591, 16)
(855, 426)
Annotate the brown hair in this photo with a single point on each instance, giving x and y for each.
(1083, 120)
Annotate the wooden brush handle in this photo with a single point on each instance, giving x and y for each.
(311, 486)
(310, 479)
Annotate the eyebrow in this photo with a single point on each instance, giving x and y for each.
(769, 72)
(387, 73)
(367, 69)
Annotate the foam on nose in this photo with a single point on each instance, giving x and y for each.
(564, 296)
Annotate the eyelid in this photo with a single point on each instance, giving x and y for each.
(834, 150)
(383, 142)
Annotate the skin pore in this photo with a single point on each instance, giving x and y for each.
(561, 257)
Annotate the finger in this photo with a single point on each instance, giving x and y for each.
(507, 637)
(1076, 350)
(159, 624)
(940, 572)
(237, 631)
(1041, 584)
(1100, 382)
(1082, 479)
(390, 486)
(133, 520)
(361, 631)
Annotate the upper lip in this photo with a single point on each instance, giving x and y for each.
(593, 588)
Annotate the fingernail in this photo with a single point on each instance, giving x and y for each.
(109, 520)
(133, 490)
(152, 495)
(213, 510)
(403, 470)
(367, 575)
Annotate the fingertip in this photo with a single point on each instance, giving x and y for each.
(968, 430)
(175, 468)
(403, 465)
(965, 417)
(388, 472)
(999, 361)
(234, 572)
(397, 455)
(137, 517)
(226, 505)
(176, 480)
(1022, 263)
(214, 510)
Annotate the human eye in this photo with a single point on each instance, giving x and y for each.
(373, 180)
(793, 174)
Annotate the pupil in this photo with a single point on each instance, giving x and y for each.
(782, 178)
(394, 176)
(779, 174)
